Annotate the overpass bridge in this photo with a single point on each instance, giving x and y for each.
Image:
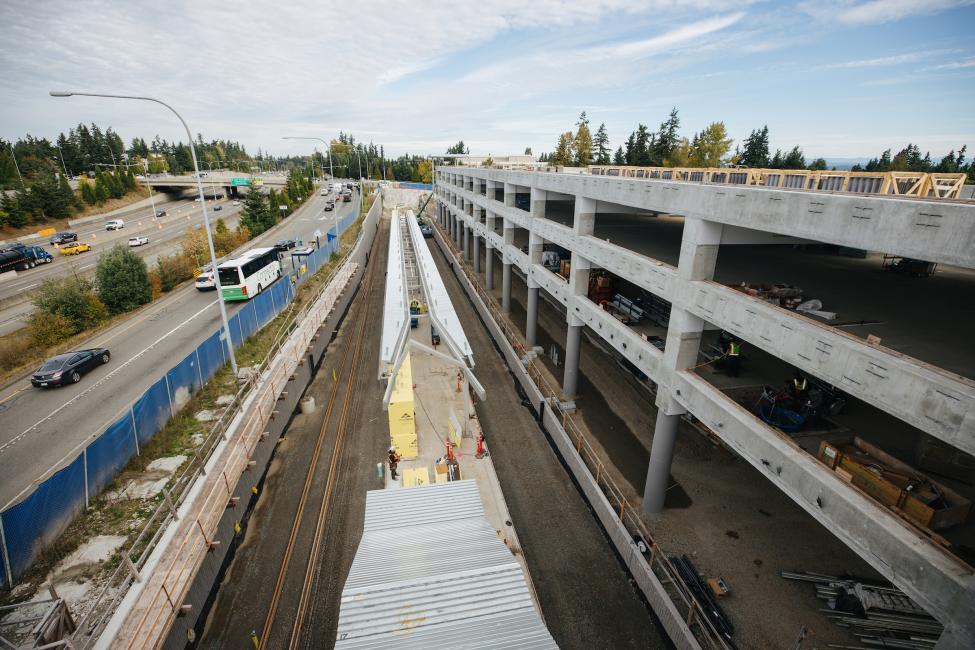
(226, 179)
(913, 218)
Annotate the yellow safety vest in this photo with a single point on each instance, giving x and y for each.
(799, 384)
(735, 349)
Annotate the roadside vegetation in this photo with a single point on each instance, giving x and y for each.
(114, 512)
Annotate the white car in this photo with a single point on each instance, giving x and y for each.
(204, 281)
(141, 240)
(115, 224)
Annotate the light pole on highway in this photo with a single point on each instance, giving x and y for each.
(16, 166)
(206, 219)
(327, 144)
(62, 159)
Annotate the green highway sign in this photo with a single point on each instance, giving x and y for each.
(236, 182)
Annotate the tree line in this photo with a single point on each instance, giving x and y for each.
(712, 147)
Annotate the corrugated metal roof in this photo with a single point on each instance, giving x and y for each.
(431, 572)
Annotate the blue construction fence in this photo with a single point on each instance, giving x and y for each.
(33, 524)
(416, 186)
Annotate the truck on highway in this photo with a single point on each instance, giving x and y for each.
(21, 257)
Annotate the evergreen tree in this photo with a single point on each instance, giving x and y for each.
(642, 147)
(563, 154)
(601, 145)
(528, 151)
(583, 142)
(755, 152)
(122, 280)
(794, 159)
(665, 141)
(818, 164)
(619, 158)
(630, 156)
(255, 213)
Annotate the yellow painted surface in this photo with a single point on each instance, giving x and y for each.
(416, 476)
(406, 446)
(401, 414)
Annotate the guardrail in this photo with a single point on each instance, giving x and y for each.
(136, 557)
(36, 517)
(680, 593)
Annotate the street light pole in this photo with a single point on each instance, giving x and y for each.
(206, 219)
(62, 158)
(16, 166)
(331, 171)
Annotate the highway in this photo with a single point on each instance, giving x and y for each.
(44, 428)
(163, 233)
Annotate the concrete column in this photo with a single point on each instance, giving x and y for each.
(460, 232)
(509, 194)
(506, 286)
(467, 241)
(584, 216)
(489, 266)
(573, 346)
(698, 255)
(661, 455)
(537, 204)
(477, 252)
(579, 289)
(531, 324)
(534, 257)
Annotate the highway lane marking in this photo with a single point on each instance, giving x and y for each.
(14, 394)
(101, 381)
(28, 287)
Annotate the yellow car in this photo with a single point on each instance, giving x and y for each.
(75, 248)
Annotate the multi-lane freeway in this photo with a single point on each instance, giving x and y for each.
(44, 427)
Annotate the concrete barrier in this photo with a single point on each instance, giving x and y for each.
(8, 276)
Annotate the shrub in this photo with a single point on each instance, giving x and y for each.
(172, 270)
(123, 281)
(12, 348)
(46, 330)
(74, 299)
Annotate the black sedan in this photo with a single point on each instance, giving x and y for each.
(67, 368)
(63, 238)
(284, 245)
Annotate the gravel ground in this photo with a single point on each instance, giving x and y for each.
(586, 596)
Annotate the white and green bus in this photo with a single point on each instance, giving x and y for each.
(246, 276)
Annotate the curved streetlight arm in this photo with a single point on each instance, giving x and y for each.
(327, 144)
(199, 187)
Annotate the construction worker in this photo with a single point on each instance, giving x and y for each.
(800, 387)
(393, 458)
(733, 362)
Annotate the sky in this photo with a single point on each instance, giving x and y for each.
(841, 78)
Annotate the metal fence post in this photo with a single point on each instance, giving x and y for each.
(135, 431)
(199, 368)
(6, 556)
(169, 393)
(84, 454)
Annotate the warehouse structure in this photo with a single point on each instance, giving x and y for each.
(499, 209)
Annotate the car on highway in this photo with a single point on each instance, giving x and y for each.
(115, 224)
(140, 240)
(217, 208)
(160, 213)
(284, 245)
(68, 368)
(329, 206)
(205, 282)
(75, 249)
(347, 198)
(63, 238)
(427, 231)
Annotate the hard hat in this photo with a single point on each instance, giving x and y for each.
(392, 448)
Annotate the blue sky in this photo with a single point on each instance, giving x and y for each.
(841, 78)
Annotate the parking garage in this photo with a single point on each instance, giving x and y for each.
(635, 254)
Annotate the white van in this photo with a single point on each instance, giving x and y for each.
(115, 224)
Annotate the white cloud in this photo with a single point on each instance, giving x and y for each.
(852, 12)
(897, 59)
(954, 65)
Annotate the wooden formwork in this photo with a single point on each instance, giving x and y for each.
(897, 183)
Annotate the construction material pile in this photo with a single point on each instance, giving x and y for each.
(880, 617)
(787, 296)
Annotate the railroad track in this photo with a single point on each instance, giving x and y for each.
(343, 389)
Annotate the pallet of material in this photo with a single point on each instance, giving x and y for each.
(894, 483)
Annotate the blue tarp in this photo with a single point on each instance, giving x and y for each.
(212, 355)
(151, 411)
(109, 453)
(184, 380)
(35, 522)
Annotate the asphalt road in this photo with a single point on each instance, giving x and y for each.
(164, 234)
(42, 429)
